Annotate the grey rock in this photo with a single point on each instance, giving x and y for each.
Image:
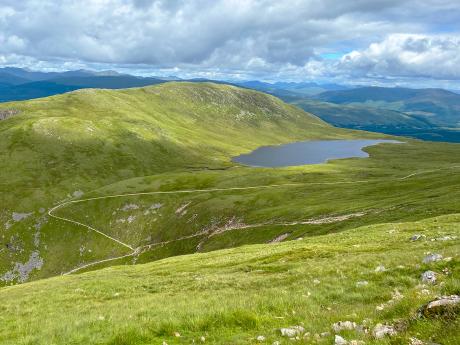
(441, 306)
(291, 332)
(339, 340)
(416, 237)
(429, 277)
(380, 331)
(362, 283)
(380, 268)
(343, 325)
(432, 258)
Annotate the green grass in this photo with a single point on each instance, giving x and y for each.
(234, 295)
(84, 140)
(350, 216)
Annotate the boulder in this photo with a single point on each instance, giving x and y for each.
(443, 306)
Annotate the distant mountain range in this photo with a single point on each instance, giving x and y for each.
(429, 114)
(432, 114)
(21, 84)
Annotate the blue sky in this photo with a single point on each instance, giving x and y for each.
(389, 42)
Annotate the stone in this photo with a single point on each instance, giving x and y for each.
(416, 237)
(343, 325)
(380, 268)
(325, 334)
(415, 341)
(429, 277)
(362, 283)
(177, 334)
(339, 340)
(202, 339)
(291, 332)
(440, 306)
(380, 331)
(260, 338)
(432, 258)
(356, 342)
(276, 343)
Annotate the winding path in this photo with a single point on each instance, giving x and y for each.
(137, 250)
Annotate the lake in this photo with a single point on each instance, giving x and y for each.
(307, 152)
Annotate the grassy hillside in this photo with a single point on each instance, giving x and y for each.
(100, 178)
(57, 148)
(369, 275)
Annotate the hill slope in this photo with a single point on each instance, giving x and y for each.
(369, 275)
(143, 174)
(57, 147)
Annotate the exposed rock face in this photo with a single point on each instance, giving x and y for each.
(443, 306)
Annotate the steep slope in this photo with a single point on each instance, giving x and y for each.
(367, 276)
(100, 177)
(57, 147)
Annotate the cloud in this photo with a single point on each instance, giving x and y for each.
(405, 55)
(236, 38)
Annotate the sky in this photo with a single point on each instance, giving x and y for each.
(375, 42)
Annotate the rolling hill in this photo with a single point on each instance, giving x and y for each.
(55, 147)
(111, 188)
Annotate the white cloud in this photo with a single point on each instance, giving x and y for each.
(240, 38)
(404, 55)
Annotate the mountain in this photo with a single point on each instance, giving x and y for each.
(290, 88)
(7, 79)
(57, 146)
(436, 106)
(360, 117)
(20, 84)
(106, 81)
(115, 188)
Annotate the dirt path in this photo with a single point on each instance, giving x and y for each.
(138, 250)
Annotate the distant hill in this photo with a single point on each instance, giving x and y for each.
(20, 84)
(360, 117)
(290, 88)
(436, 106)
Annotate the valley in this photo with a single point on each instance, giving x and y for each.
(133, 193)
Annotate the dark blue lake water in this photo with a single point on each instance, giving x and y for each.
(306, 152)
